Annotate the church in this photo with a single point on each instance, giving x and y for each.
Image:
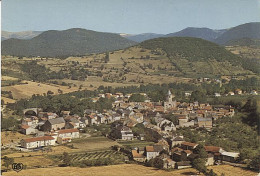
(169, 103)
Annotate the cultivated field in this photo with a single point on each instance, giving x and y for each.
(93, 143)
(92, 156)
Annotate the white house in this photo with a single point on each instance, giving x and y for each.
(37, 142)
(66, 135)
(153, 151)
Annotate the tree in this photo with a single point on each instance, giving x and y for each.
(211, 173)
(107, 57)
(200, 150)
(66, 159)
(8, 161)
(198, 96)
(255, 163)
(199, 164)
(157, 162)
(137, 98)
(50, 92)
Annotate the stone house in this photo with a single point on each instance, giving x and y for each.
(54, 124)
(25, 129)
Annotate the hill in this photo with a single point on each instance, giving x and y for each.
(203, 33)
(143, 37)
(193, 49)
(65, 43)
(248, 30)
(197, 56)
(19, 35)
(243, 42)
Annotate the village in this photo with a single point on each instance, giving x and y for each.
(49, 129)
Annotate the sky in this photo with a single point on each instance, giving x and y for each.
(126, 16)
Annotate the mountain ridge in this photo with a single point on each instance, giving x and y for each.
(75, 41)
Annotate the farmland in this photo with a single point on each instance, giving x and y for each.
(126, 170)
(92, 156)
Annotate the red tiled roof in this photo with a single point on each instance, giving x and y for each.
(189, 144)
(176, 149)
(149, 149)
(25, 126)
(42, 138)
(68, 131)
(188, 151)
(212, 148)
(136, 154)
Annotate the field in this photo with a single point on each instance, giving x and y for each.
(27, 90)
(76, 157)
(93, 143)
(232, 171)
(135, 143)
(125, 170)
(245, 51)
(9, 137)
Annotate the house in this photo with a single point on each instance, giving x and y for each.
(72, 123)
(188, 146)
(66, 135)
(25, 129)
(100, 118)
(153, 151)
(229, 156)
(238, 92)
(204, 122)
(253, 92)
(213, 149)
(27, 121)
(47, 115)
(126, 133)
(217, 95)
(178, 140)
(141, 137)
(231, 93)
(83, 122)
(137, 156)
(167, 162)
(162, 142)
(37, 142)
(182, 165)
(92, 119)
(54, 124)
(210, 160)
